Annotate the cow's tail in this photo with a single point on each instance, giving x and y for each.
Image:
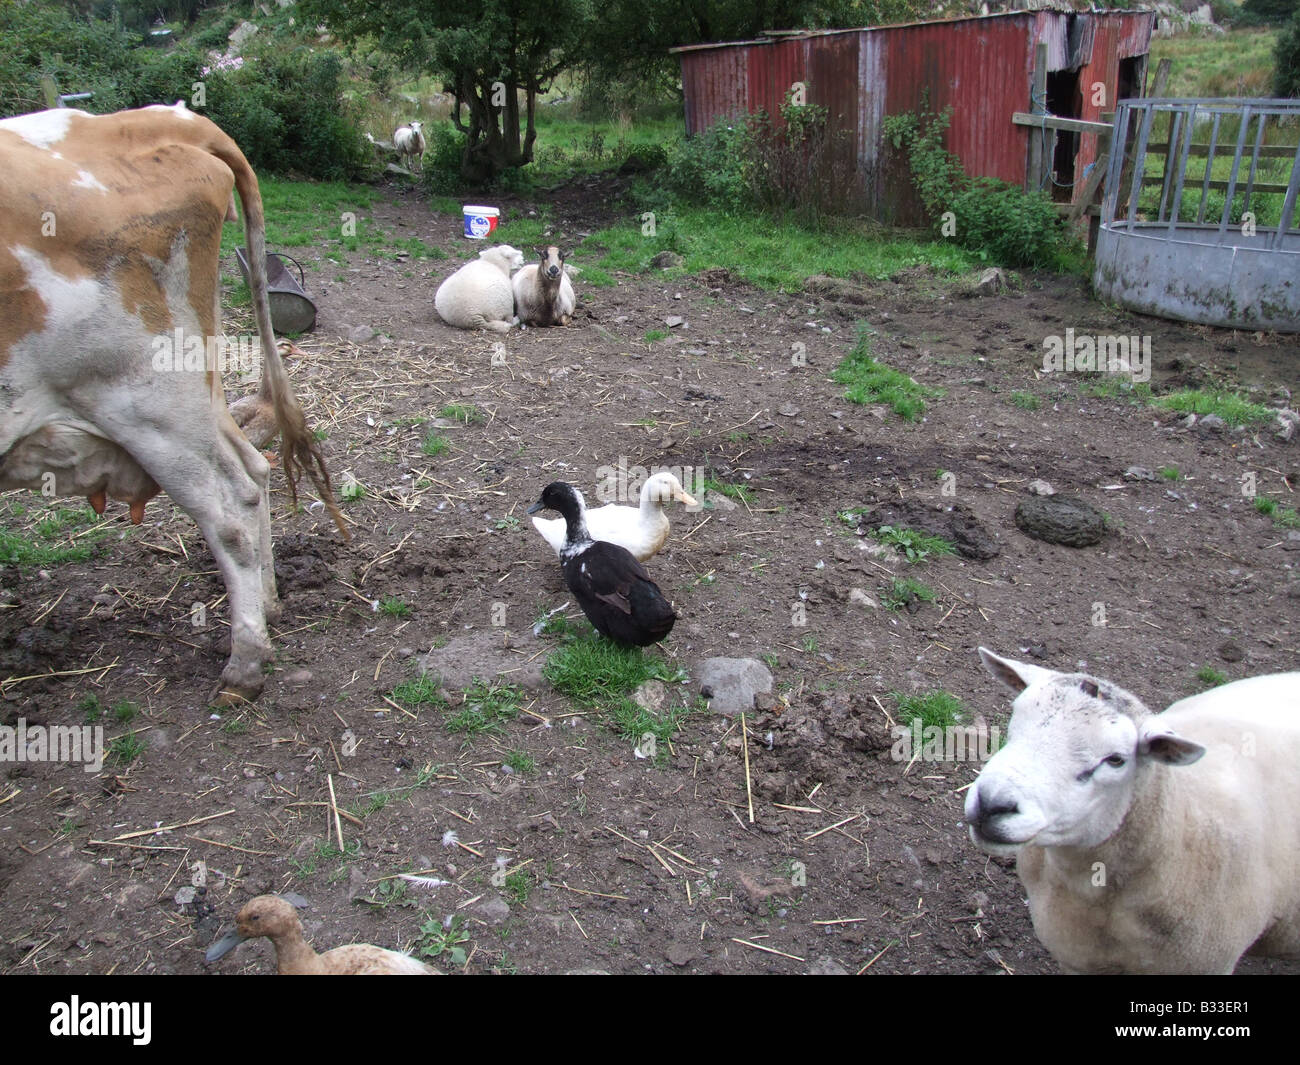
(299, 449)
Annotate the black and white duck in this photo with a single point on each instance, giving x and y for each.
(641, 529)
(612, 587)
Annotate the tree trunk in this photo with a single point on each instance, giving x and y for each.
(492, 138)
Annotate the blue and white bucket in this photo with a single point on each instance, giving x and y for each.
(480, 222)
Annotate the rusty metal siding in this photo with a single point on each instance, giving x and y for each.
(715, 84)
(980, 67)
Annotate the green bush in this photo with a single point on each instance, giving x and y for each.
(1001, 223)
(1286, 76)
(709, 168)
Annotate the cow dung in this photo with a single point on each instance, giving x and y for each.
(1060, 520)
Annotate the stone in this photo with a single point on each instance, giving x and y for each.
(1231, 651)
(857, 595)
(787, 410)
(680, 953)
(652, 695)
(666, 260)
(827, 966)
(1212, 423)
(1062, 520)
(1139, 473)
(1040, 488)
(674, 320)
(493, 910)
(730, 684)
(359, 334)
(298, 678)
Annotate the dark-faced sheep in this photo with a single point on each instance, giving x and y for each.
(543, 291)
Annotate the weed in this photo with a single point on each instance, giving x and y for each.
(127, 748)
(904, 592)
(1170, 473)
(871, 382)
(520, 762)
(486, 708)
(422, 691)
(652, 335)
(466, 414)
(1025, 400)
(937, 708)
(434, 444)
(1208, 677)
(1229, 406)
(912, 544)
(434, 940)
(519, 886)
(393, 607)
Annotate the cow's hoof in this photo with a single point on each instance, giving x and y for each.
(238, 687)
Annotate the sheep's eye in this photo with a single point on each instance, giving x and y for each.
(1116, 760)
(257, 917)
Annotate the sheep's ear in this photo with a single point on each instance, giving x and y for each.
(1162, 745)
(1015, 675)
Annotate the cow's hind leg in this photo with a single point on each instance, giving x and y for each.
(222, 485)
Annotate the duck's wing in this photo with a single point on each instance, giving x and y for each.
(608, 573)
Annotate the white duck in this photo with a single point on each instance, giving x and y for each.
(641, 530)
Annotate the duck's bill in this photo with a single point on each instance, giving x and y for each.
(223, 946)
(538, 506)
(687, 498)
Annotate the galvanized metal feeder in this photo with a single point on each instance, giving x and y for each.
(292, 311)
(1166, 248)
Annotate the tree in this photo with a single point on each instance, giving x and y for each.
(486, 52)
(1268, 11)
(1286, 78)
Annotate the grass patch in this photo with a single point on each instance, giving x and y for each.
(1208, 677)
(1232, 408)
(352, 490)
(126, 748)
(769, 253)
(597, 672)
(519, 886)
(1286, 517)
(424, 690)
(937, 708)
(1170, 473)
(520, 762)
(872, 382)
(912, 544)
(466, 414)
(486, 708)
(393, 607)
(651, 335)
(1024, 400)
(741, 493)
(434, 444)
(903, 592)
(48, 536)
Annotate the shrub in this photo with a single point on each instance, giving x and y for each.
(709, 168)
(1286, 76)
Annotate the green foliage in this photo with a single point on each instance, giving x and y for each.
(1208, 677)
(1232, 408)
(913, 544)
(424, 690)
(870, 381)
(904, 592)
(999, 222)
(709, 168)
(486, 708)
(393, 607)
(1261, 12)
(938, 708)
(1286, 75)
(435, 941)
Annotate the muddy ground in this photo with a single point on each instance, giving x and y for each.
(619, 864)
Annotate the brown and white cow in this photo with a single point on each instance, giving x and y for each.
(110, 232)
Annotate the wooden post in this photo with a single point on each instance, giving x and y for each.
(1162, 77)
(1038, 106)
(51, 91)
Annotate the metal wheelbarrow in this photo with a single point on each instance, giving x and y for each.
(292, 311)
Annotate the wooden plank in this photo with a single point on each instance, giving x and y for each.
(1038, 100)
(1265, 151)
(1072, 125)
(1157, 88)
(1159, 179)
(1095, 179)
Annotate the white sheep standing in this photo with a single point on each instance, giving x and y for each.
(543, 292)
(478, 295)
(1148, 843)
(409, 143)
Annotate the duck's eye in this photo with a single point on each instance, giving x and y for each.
(1116, 760)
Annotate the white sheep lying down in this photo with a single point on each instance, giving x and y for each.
(1148, 843)
(478, 295)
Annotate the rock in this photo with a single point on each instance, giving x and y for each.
(240, 34)
(835, 288)
(674, 320)
(718, 501)
(787, 410)
(587, 970)
(1139, 473)
(359, 334)
(733, 682)
(1212, 423)
(493, 910)
(857, 595)
(827, 966)
(1060, 520)
(956, 523)
(1231, 651)
(680, 953)
(298, 678)
(666, 260)
(991, 282)
(652, 695)
(1040, 488)
(1288, 421)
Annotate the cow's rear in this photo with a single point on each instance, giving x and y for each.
(110, 233)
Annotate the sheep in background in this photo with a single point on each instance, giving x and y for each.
(478, 295)
(1148, 843)
(543, 291)
(409, 143)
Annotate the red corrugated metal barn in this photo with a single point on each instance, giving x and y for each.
(983, 68)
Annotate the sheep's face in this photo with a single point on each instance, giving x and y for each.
(551, 266)
(416, 127)
(1076, 749)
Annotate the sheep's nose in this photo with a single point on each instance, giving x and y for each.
(986, 811)
(553, 271)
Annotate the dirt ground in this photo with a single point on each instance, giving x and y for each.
(629, 866)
